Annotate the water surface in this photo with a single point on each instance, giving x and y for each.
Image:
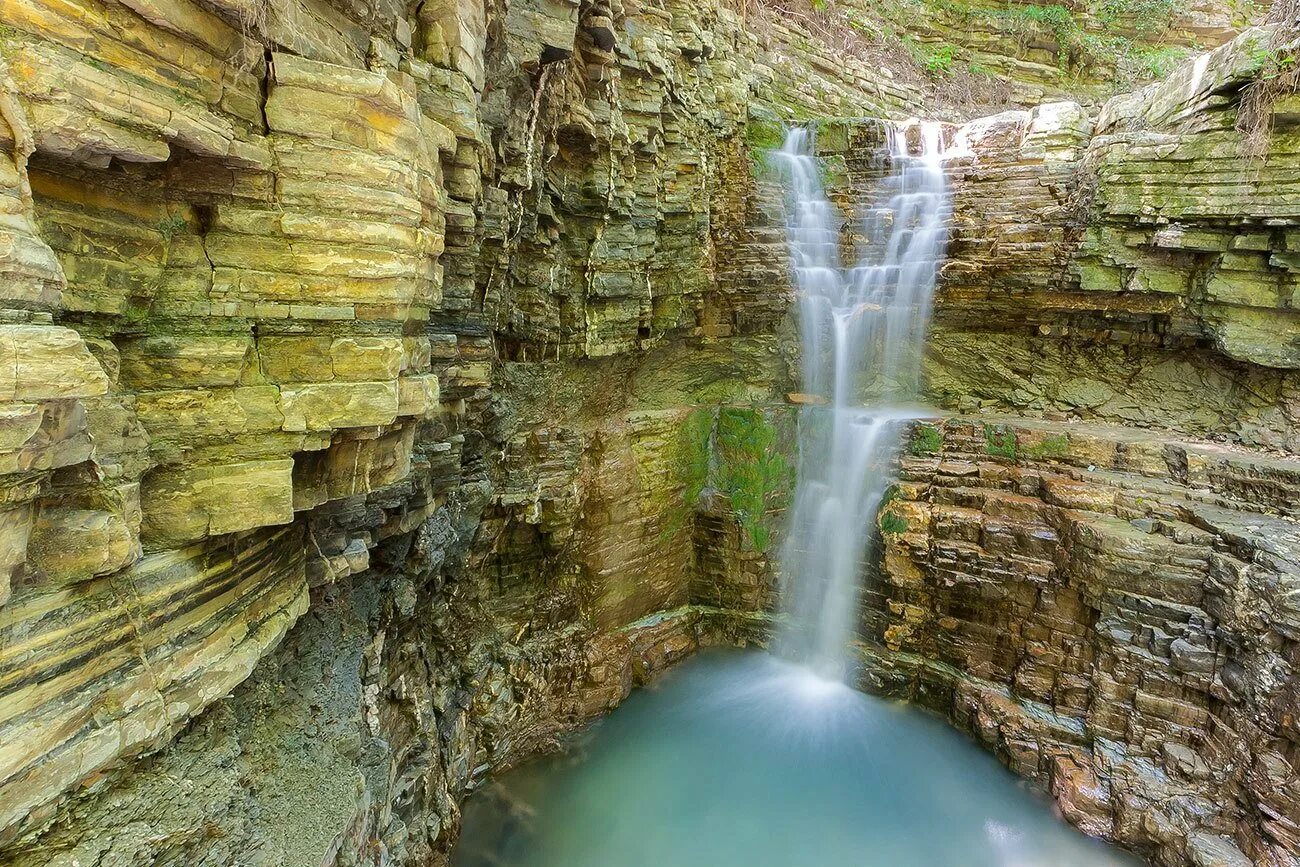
(738, 759)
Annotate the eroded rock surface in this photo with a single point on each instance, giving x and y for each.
(1091, 567)
(302, 305)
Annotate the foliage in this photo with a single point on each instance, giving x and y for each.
(1056, 20)
(936, 60)
(939, 60)
(1000, 441)
(752, 471)
(1156, 61)
(1143, 16)
(926, 440)
(1279, 74)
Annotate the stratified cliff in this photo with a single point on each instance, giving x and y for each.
(1094, 566)
(392, 387)
(303, 305)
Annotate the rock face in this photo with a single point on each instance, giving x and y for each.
(367, 363)
(1027, 53)
(1099, 552)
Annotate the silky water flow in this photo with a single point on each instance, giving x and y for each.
(748, 759)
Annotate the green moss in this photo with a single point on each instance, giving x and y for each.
(692, 462)
(737, 452)
(834, 172)
(891, 523)
(751, 470)
(764, 132)
(695, 435)
(1000, 441)
(762, 136)
(888, 520)
(926, 440)
(1053, 446)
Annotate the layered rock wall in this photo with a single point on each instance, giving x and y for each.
(1091, 565)
(392, 388)
(361, 362)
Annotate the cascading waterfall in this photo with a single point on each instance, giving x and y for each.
(741, 759)
(863, 331)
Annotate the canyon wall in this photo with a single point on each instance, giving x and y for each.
(393, 387)
(363, 365)
(1092, 564)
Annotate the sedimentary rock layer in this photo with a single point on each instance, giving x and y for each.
(1092, 568)
(301, 303)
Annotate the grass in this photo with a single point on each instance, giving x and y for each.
(170, 227)
(1000, 441)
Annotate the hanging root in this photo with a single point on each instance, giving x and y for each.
(1279, 76)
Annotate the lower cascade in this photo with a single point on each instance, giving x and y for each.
(749, 759)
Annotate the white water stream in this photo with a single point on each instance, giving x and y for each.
(747, 760)
(863, 331)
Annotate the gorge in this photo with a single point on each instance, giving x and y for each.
(393, 387)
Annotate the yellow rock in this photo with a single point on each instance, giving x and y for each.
(295, 359)
(333, 405)
(39, 362)
(69, 545)
(185, 360)
(417, 395)
(366, 358)
(186, 504)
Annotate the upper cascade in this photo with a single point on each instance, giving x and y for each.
(863, 331)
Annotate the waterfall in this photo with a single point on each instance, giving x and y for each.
(863, 331)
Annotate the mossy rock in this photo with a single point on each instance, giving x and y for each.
(926, 440)
(1000, 441)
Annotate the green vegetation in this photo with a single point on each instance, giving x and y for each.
(752, 471)
(693, 449)
(1279, 74)
(762, 136)
(892, 524)
(936, 60)
(695, 435)
(1147, 17)
(939, 60)
(1000, 441)
(926, 440)
(1051, 447)
(833, 171)
(736, 451)
(1157, 61)
(1117, 34)
(889, 521)
(169, 227)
